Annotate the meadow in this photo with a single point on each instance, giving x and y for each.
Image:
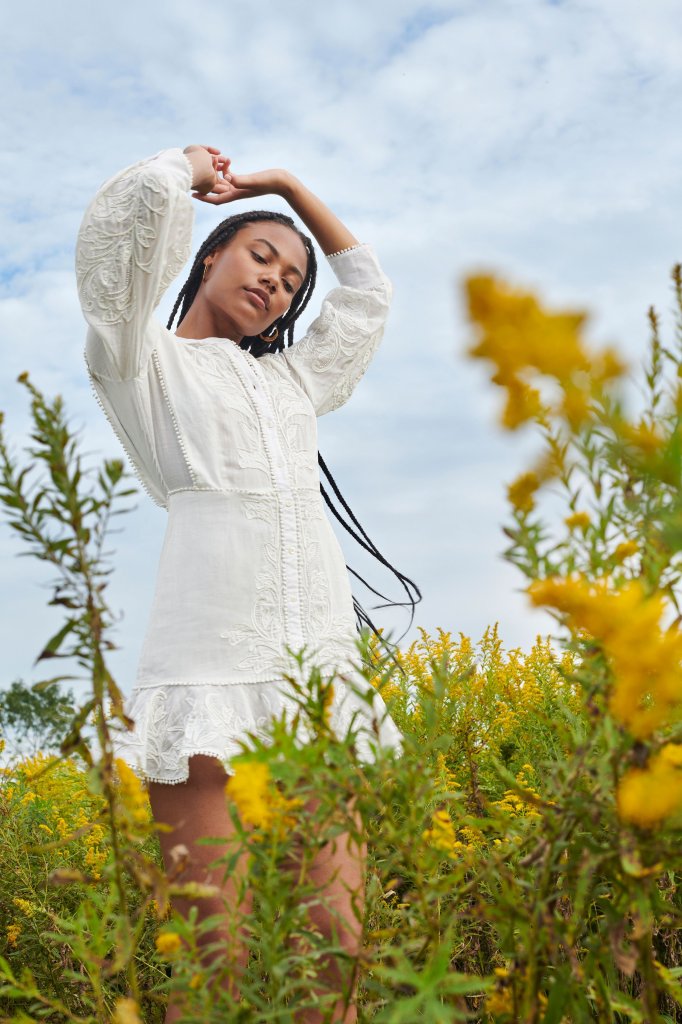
(524, 846)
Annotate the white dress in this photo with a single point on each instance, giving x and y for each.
(250, 569)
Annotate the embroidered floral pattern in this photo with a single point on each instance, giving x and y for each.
(172, 724)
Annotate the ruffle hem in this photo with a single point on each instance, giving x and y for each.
(174, 722)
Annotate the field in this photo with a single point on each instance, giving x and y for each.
(523, 846)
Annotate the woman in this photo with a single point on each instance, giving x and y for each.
(219, 421)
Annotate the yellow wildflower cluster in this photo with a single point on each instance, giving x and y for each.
(626, 549)
(25, 906)
(577, 521)
(133, 799)
(521, 492)
(521, 802)
(126, 1011)
(258, 801)
(645, 659)
(168, 943)
(57, 804)
(524, 341)
(442, 835)
(648, 795)
(13, 931)
(446, 779)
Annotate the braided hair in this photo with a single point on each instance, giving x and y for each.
(221, 236)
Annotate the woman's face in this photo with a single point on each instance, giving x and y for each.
(251, 281)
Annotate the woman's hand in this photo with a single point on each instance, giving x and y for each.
(207, 164)
(230, 187)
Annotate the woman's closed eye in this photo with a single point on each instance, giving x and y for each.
(288, 287)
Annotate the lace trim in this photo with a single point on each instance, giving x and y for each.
(340, 252)
(172, 726)
(171, 412)
(139, 475)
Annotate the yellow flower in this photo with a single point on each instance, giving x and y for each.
(327, 700)
(624, 550)
(24, 905)
(442, 835)
(521, 492)
(644, 436)
(249, 787)
(132, 794)
(126, 1011)
(525, 342)
(577, 520)
(196, 981)
(645, 659)
(13, 933)
(646, 796)
(168, 943)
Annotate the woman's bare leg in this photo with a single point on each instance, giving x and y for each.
(338, 876)
(195, 809)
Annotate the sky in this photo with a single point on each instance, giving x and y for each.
(538, 139)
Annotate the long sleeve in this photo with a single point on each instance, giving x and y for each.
(336, 350)
(134, 240)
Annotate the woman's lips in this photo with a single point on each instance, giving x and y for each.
(256, 298)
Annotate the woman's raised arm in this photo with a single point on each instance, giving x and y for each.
(331, 234)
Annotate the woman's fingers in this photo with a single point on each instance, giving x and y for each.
(227, 194)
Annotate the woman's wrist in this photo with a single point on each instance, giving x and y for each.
(203, 172)
(288, 186)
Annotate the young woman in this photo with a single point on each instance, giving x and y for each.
(219, 421)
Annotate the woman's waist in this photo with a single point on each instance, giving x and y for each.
(200, 495)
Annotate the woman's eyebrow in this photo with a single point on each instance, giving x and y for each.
(275, 252)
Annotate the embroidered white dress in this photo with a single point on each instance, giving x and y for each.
(250, 569)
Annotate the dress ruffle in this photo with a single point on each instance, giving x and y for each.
(174, 722)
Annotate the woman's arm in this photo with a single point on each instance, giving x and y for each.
(330, 233)
(134, 240)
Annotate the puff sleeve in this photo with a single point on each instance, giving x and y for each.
(134, 240)
(330, 359)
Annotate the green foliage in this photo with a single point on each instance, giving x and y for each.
(32, 721)
(523, 847)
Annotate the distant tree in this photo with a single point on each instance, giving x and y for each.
(34, 720)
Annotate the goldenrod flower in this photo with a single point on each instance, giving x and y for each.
(25, 906)
(646, 796)
(168, 943)
(646, 660)
(521, 492)
(577, 520)
(132, 794)
(249, 787)
(625, 549)
(126, 1011)
(13, 932)
(442, 835)
(526, 342)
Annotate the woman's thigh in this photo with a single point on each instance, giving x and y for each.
(194, 810)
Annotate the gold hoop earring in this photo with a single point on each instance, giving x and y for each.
(206, 266)
(273, 337)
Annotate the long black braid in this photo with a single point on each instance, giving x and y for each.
(220, 237)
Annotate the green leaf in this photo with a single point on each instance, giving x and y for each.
(55, 642)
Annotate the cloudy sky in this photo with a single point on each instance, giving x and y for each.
(538, 138)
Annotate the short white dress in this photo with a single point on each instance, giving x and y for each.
(251, 573)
